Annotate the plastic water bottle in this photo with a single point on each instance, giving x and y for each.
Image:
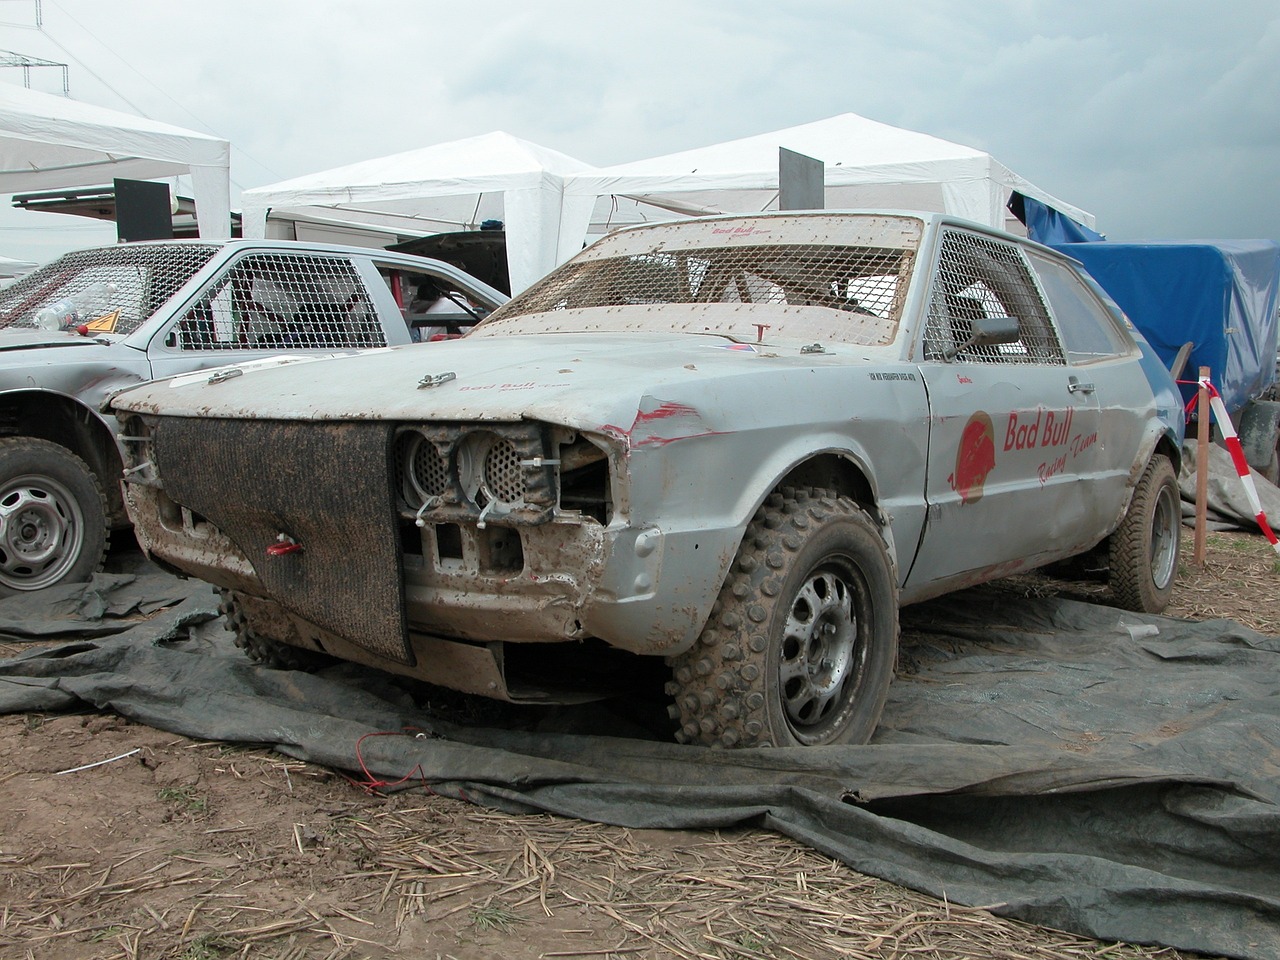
(68, 312)
(59, 315)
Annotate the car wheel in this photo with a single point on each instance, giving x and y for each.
(53, 516)
(802, 641)
(1144, 548)
(260, 649)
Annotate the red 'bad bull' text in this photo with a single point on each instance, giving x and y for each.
(1043, 428)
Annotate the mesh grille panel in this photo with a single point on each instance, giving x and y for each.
(865, 284)
(283, 301)
(429, 470)
(503, 475)
(978, 277)
(461, 472)
(110, 289)
(256, 480)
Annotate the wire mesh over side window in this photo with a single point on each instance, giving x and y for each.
(283, 301)
(983, 277)
(108, 290)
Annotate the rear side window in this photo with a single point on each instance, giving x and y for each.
(983, 277)
(1089, 331)
(282, 301)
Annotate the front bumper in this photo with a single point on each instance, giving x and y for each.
(333, 558)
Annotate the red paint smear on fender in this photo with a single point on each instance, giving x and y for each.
(658, 423)
(665, 411)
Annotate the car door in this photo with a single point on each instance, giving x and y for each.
(1107, 359)
(1010, 448)
(267, 303)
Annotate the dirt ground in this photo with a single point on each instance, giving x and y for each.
(186, 850)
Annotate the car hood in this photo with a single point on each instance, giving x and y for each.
(581, 380)
(61, 362)
(28, 338)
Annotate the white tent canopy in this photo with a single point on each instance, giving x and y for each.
(449, 186)
(867, 165)
(49, 142)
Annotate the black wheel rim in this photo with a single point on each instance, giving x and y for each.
(823, 651)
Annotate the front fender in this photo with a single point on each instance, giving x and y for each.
(691, 502)
(1156, 433)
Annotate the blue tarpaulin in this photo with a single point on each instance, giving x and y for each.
(1221, 295)
(1047, 225)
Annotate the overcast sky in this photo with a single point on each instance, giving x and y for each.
(1161, 118)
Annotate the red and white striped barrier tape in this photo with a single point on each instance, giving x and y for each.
(1232, 442)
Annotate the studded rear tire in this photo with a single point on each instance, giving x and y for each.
(1144, 548)
(802, 641)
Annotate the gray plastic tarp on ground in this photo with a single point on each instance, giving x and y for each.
(1228, 506)
(1067, 764)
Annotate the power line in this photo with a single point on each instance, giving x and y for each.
(208, 127)
(83, 66)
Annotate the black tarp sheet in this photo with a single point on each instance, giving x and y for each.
(1068, 764)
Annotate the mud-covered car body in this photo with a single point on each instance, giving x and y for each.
(96, 321)
(580, 472)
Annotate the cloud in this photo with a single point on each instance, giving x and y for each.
(1161, 119)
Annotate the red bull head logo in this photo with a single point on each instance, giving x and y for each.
(975, 458)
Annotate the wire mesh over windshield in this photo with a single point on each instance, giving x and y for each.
(848, 292)
(864, 282)
(107, 289)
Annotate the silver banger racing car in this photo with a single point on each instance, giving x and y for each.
(95, 321)
(736, 443)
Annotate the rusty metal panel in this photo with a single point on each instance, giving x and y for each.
(825, 229)
(324, 490)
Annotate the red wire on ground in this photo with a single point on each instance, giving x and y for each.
(372, 784)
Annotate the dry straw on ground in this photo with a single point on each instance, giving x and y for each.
(204, 851)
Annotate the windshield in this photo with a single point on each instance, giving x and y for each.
(109, 290)
(802, 276)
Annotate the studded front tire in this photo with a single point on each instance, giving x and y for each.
(260, 649)
(802, 641)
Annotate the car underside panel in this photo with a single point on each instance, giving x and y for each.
(312, 507)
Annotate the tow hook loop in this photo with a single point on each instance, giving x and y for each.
(284, 546)
(435, 379)
(226, 373)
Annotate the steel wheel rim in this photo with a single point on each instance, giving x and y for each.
(41, 532)
(823, 651)
(1165, 521)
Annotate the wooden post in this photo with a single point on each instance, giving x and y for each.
(1204, 424)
